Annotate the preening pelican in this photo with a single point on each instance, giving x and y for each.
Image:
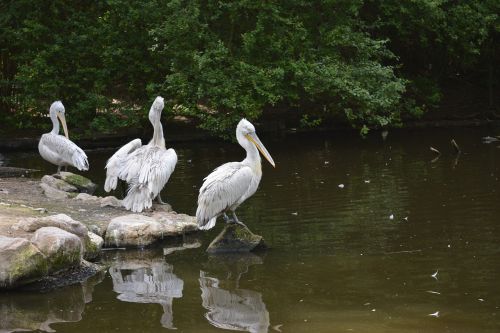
(232, 183)
(58, 149)
(145, 168)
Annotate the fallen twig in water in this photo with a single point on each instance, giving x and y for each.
(434, 150)
(404, 251)
(112, 248)
(455, 145)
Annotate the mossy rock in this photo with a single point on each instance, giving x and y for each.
(63, 249)
(81, 183)
(20, 262)
(236, 238)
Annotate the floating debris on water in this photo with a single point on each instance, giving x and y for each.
(433, 292)
(277, 327)
(295, 213)
(341, 185)
(391, 217)
(435, 314)
(367, 181)
(435, 275)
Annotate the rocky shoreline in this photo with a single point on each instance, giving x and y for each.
(51, 229)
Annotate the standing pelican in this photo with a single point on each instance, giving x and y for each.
(232, 183)
(145, 168)
(58, 149)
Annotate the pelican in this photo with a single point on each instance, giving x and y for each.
(58, 149)
(145, 168)
(232, 183)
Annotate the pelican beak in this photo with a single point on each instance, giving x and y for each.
(253, 138)
(62, 118)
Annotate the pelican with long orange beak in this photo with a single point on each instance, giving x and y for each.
(58, 149)
(232, 183)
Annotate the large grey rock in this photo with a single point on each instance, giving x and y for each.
(236, 238)
(61, 221)
(133, 230)
(58, 184)
(81, 183)
(63, 249)
(20, 262)
(53, 193)
(175, 224)
(91, 242)
(136, 230)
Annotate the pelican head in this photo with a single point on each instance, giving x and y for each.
(247, 130)
(57, 111)
(156, 109)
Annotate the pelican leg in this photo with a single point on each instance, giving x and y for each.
(158, 198)
(59, 169)
(235, 220)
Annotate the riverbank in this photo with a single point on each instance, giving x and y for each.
(45, 234)
(17, 140)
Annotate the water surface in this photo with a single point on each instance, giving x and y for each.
(338, 263)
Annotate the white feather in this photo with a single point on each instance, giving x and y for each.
(145, 168)
(232, 183)
(117, 163)
(59, 150)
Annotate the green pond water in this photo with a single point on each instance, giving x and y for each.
(353, 258)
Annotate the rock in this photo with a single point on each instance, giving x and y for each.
(176, 224)
(20, 262)
(53, 193)
(61, 221)
(58, 184)
(236, 238)
(86, 197)
(162, 207)
(82, 183)
(93, 246)
(111, 201)
(133, 230)
(63, 249)
(96, 230)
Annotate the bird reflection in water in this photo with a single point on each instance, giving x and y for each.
(229, 307)
(150, 281)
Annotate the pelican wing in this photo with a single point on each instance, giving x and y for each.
(157, 168)
(117, 162)
(221, 189)
(59, 150)
(147, 171)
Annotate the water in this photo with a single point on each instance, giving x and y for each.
(338, 262)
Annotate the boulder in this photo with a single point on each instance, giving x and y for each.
(53, 193)
(61, 221)
(236, 238)
(133, 230)
(111, 201)
(58, 184)
(175, 224)
(81, 183)
(20, 262)
(63, 249)
(93, 246)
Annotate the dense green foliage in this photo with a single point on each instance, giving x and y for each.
(369, 62)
